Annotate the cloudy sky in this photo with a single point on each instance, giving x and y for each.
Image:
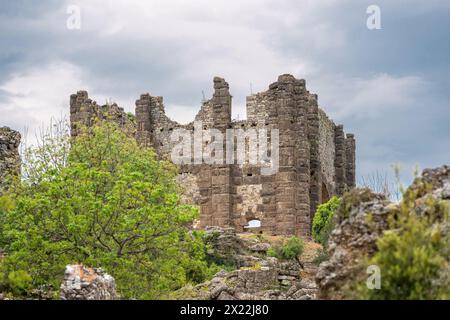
(391, 87)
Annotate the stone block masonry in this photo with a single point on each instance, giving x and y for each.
(9, 154)
(316, 157)
(84, 112)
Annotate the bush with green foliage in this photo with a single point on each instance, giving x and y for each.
(290, 248)
(111, 205)
(323, 222)
(414, 254)
(19, 282)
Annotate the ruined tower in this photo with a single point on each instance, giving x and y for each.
(84, 112)
(316, 158)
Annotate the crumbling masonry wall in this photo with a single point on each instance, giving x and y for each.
(9, 154)
(317, 159)
(84, 112)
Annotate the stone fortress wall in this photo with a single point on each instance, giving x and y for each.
(316, 157)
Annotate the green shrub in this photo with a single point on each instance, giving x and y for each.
(109, 204)
(414, 255)
(18, 282)
(323, 220)
(131, 117)
(287, 249)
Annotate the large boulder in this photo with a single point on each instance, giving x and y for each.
(82, 283)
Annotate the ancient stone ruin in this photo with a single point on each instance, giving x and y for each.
(9, 154)
(316, 157)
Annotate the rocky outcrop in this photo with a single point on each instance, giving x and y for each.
(252, 284)
(361, 219)
(256, 276)
(9, 153)
(354, 237)
(82, 283)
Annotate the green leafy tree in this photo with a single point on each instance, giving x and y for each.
(323, 220)
(111, 204)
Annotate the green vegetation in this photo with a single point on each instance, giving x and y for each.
(290, 248)
(131, 117)
(414, 255)
(323, 220)
(107, 203)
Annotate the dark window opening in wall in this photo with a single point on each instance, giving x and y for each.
(325, 194)
(249, 174)
(162, 129)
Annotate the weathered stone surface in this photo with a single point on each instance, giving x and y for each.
(82, 283)
(260, 247)
(257, 276)
(85, 112)
(316, 161)
(361, 220)
(354, 237)
(9, 154)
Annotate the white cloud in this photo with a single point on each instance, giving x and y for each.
(36, 95)
(182, 114)
(232, 39)
(365, 98)
(201, 39)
